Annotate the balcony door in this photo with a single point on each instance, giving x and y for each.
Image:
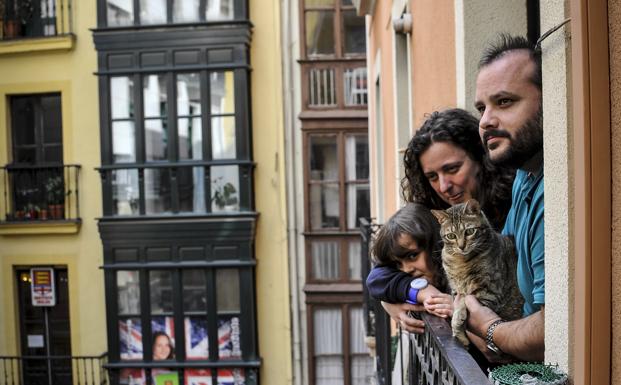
(44, 332)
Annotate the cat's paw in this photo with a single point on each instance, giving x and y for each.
(461, 337)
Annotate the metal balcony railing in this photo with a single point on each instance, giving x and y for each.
(34, 18)
(333, 84)
(39, 193)
(53, 370)
(434, 357)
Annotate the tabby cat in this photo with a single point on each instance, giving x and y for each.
(478, 261)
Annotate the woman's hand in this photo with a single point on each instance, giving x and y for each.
(399, 313)
(440, 304)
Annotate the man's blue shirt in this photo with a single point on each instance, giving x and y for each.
(525, 222)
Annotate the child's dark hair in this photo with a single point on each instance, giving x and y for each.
(415, 220)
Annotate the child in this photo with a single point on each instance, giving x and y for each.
(409, 270)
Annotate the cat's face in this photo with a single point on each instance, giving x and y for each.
(461, 226)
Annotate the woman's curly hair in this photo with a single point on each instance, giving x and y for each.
(459, 128)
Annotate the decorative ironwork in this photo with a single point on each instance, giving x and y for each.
(39, 193)
(54, 370)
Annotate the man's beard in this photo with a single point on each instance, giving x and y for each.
(524, 145)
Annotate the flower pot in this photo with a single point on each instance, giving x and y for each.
(57, 211)
(12, 28)
(43, 214)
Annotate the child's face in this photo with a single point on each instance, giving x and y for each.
(414, 263)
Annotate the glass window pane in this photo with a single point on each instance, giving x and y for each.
(324, 206)
(223, 137)
(328, 331)
(154, 94)
(190, 138)
(362, 370)
(191, 185)
(52, 119)
(185, 11)
(188, 95)
(358, 204)
(357, 157)
(354, 33)
(319, 3)
(357, 332)
(128, 290)
(346, 2)
(163, 338)
(130, 339)
(157, 190)
(222, 93)
(319, 33)
(219, 10)
(155, 139)
(160, 289)
(123, 142)
(23, 120)
(227, 283)
(120, 12)
(125, 192)
(196, 339)
(194, 290)
(355, 273)
(325, 259)
(53, 154)
(122, 97)
(152, 12)
(229, 346)
(324, 162)
(355, 80)
(224, 188)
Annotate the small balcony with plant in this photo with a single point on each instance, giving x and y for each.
(39, 196)
(33, 25)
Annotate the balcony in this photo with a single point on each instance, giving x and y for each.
(53, 370)
(334, 85)
(35, 25)
(39, 199)
(434, 357)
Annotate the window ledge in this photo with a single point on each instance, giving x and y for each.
(41, 227)
(37, 44)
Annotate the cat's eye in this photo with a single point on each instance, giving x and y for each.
(451, 236)
(470, 231)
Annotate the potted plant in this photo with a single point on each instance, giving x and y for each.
(55, 195)
(16, 15)
(224, 196)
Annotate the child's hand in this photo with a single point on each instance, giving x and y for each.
(440, 304)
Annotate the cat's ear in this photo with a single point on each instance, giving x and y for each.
(472, 207)
(440, 215)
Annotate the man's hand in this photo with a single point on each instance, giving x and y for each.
(479, 317)
(399, 313)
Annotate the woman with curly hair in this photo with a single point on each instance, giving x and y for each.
(445, 164)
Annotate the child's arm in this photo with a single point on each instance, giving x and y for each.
(439, 304)
(388, 284)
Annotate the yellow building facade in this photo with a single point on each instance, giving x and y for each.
(50, 68)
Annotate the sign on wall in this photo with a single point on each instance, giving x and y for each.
(42, 287)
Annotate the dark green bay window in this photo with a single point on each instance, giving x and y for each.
(178, 221)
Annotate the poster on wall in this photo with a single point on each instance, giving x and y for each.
(130, 336)
(231, 377)
(42, 288)
(198, 377)
(168, 378)
(228, 338)
(196, 340)
(132, 377)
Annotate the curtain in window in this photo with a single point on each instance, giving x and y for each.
(350, 172)
(325, 256)
(355, 272)
(328, 333)
(361, 362)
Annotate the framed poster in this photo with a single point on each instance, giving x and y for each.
(198, 377)
(196, 339)
(130, 336)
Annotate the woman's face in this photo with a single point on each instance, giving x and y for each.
(451, 173)
(414, 263)
(161, 348)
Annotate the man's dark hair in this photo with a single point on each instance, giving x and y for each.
(506, 43)
(459, 128)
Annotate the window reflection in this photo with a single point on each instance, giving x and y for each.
(222, 93)
(185, 11)
(125, 192)
(122, 111)
(191, 187)
(152, 12)
(354, 33)
(194, 290)
(128, 288)
(155, 111)
(324, 205)
(323, 158)
(319, 33)
(120, 12)
(160, 289)
(189, 125)
(219, 10)
(157, 190)
(224, 188)
(223, 137)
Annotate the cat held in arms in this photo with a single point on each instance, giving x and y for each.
(478, 261)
